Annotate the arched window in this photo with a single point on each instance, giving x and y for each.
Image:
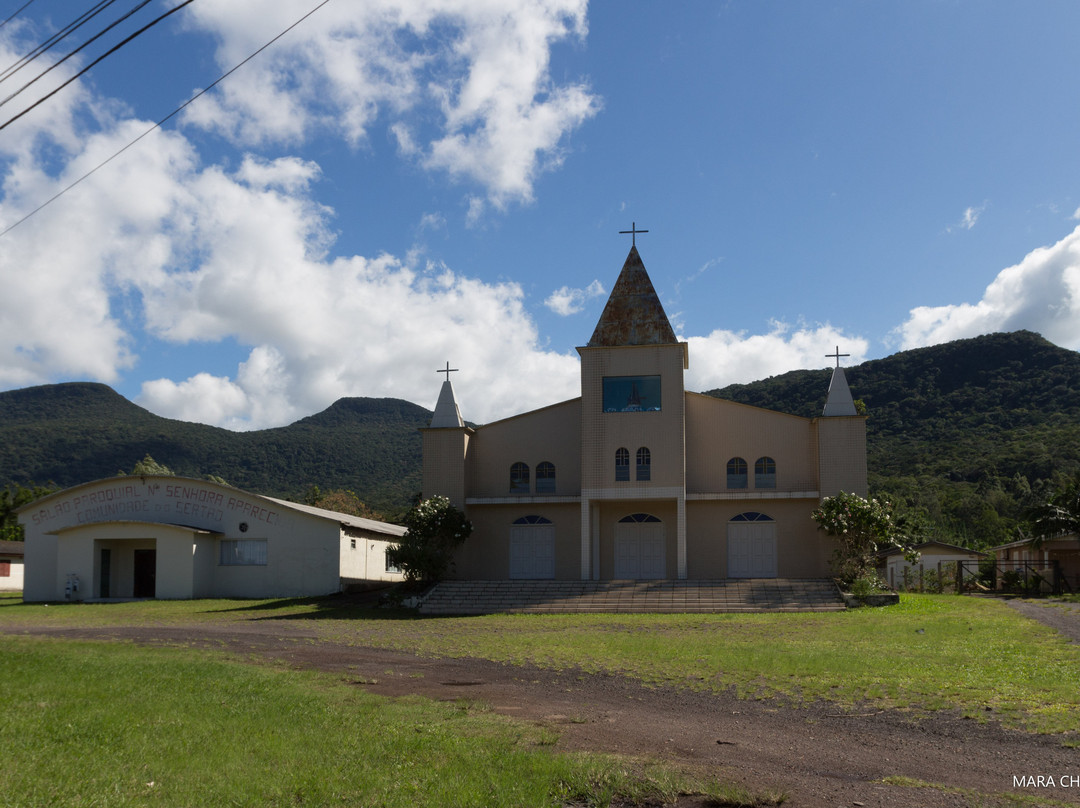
(532, 520)
(736, 473)
(519, 479)
(639, 518)
(622, 465)
(644, 464)
(752, 516)
(545, 478)
(764, 473)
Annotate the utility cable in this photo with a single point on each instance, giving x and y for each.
(59, 36)
(90, 41)
(16, 13)
(159, 124)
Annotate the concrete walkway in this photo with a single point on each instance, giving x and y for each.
(731, 595)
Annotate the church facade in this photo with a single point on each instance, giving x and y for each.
(639, 478)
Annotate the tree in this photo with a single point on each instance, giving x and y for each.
(1057, 516)
(148, 467)
(862, 527)
(10, 500)
(435, 529)
(341, 501)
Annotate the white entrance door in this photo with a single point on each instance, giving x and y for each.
(532, 551)
(639, 550)
(752, 550)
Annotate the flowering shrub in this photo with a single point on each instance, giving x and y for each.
(425, 552)
(861, 527)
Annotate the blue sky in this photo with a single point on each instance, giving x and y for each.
(392, 185)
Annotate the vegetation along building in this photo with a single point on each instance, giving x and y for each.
(172, 537)
(639, 478)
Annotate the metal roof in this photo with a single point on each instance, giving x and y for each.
(633, 314)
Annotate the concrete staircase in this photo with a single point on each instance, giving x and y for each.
(555, 597)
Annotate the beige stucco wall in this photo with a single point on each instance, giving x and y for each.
(551, 434)
(603, 433)
(363, 557)
(842, 455)
(445, 457)
(802, 551)
(718, 430)
(485, 555)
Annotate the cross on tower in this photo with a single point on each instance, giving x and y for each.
(830, 355)
(633, 231)
(447, 370)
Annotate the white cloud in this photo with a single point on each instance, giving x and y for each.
(729, 357)
(1041, 293)
(470, 94)
(566, 301)
(969, 219)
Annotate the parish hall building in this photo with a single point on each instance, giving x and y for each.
(639, 478)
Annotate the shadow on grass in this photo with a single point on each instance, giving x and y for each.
(345, 606)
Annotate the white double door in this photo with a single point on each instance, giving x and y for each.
(532, 551)
(639, 550)
(751, 550)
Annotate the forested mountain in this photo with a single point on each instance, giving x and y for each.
(72, 433)
(963, 436)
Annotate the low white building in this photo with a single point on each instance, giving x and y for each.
(11, 566)
(174, 537)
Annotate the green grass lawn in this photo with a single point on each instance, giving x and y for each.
(112, 724)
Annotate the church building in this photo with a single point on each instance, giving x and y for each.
(639, 478)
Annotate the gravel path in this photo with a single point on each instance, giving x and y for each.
(818, 755)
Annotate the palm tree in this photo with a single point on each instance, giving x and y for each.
(1058, 516)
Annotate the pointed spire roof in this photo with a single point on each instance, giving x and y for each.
(447, 414)
(839, 401)
(633, 314)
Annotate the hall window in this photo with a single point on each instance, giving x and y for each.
(644, 464)
(631, 394)
(764, 473)
(519, 478)
(243, 553)
(622, 465)
(5, 569)
(736, 473)
(545, 478)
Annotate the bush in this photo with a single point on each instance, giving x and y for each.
(435, 529)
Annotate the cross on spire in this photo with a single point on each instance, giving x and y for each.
(633, 231)
(830, 355)
(447, 370)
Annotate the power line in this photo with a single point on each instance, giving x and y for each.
(109, 52)
(59, 36)
(159, 124)
(16, 13)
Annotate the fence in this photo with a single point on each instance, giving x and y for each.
(1012, 577)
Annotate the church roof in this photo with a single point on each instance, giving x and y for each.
(633, 314)
(446, 412)
(839, 400)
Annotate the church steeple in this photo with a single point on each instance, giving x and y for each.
(839, 401)
(633, 314)
(447, 414)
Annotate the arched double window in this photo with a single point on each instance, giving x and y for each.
(622, 465)
(640, 518)
(737, 473)
(764, 473)
(644, 464)
(519, 478)
(532, 520)
(545, 478)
